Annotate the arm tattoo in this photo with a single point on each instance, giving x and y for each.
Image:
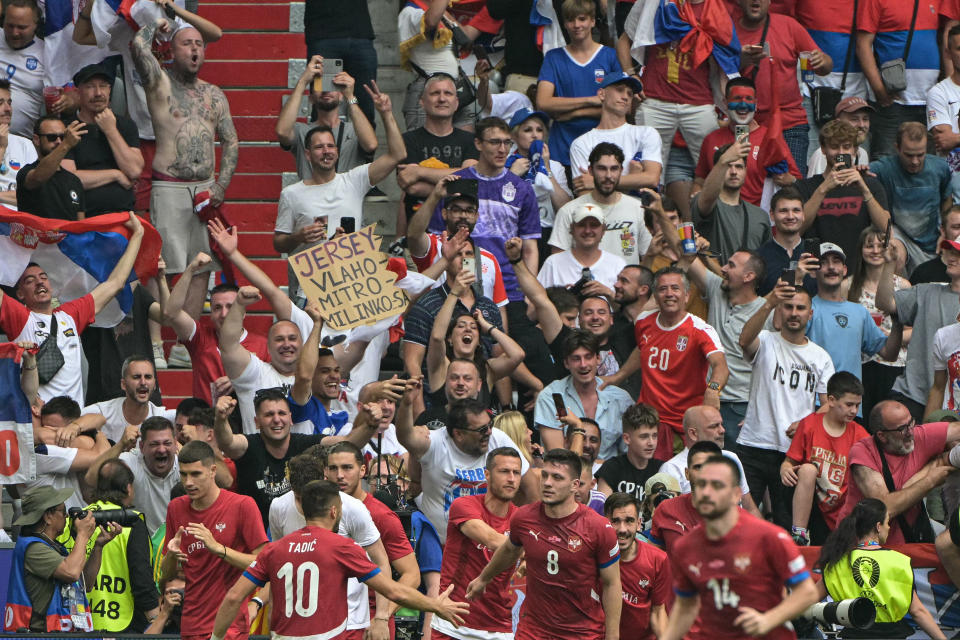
(228, 138)
(142, 54)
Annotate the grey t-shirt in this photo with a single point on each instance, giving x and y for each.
(927, 307)
(347, 143)
(730, 228)
(728, 320)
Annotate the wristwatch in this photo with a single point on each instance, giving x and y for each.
(713, 386)
(352, 101)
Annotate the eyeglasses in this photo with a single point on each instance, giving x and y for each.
(459, 210)
(902, 429)
(484, 429)
(53, 137)
(499, 142)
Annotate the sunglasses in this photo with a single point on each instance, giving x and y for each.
(53, 137)
(484, 429)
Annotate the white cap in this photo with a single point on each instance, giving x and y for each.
(829, 247)
(588, 210)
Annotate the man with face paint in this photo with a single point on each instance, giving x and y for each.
(778, 40)
(741, 97)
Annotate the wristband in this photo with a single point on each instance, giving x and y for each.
(517, 261)
(257, 601)
(868, 199)
(384, 620)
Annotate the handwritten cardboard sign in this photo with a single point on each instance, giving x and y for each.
(348, 277)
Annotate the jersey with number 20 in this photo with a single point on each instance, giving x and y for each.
(564, 557)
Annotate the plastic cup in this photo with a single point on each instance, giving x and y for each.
(50, 97)
(806, 69)
(685, 230)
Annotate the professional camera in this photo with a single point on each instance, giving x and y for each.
(858, 613)
(123, 516)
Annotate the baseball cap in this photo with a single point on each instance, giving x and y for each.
(90, 72)
(952, 244)
(522, 115)
(829, 247)
(851, 104)
(668, 481)
(620, 76)
(462, 189)
(943, 415)
(585, 211)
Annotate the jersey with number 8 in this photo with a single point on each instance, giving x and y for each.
(307, 571)
(746, 568)
(564, 557)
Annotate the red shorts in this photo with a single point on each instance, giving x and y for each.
(142, 189)
(357, 634)
(233, 633)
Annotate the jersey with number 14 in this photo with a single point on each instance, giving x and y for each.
(674, 364)
(307, 571)
(748, 567)
(564, 558)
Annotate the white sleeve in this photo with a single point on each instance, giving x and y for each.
(303, 321)
(547, 277)
(826, 374)
(358, 522)
(250, 376)
(275, 521)
(93, 408)
(560, 237)
(57, 460)
(939, 353)
(651, 145)
(938, 108)
(359, 180)
(408, 23)
(284, 223)
(579, 155)
(560, 175)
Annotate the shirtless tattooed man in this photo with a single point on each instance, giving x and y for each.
(187, 114)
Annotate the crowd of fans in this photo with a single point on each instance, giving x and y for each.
(603, 253)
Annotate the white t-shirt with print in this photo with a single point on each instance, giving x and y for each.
(638, 142)
(112, 410)
(946, 357)
(20, 151)
(626, 233)
(151, 494)
(783, 389)
(448, 473)
(27, 73)
(562, 269)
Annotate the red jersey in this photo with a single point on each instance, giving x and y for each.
(753, 182)
(673, 519)
(671, 355)
(811, 443)
(645, 581)
(204, 352)
(464, 559)
(394, 539)
(748, 567)
(787, 38)
(307, 571)
(233, 520)
(669, 74)
(564, 558)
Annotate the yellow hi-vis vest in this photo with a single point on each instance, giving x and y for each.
(883, 575)
(111, 598)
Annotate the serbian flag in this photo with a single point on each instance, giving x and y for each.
(77, 255)
(667, 21)
(774, 154)
(544, 18)
(17, 462)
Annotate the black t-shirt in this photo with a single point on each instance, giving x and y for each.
(325, 19)
(60, 197)
(94, 154)
(521, 53)
(436, 417)
(263, 477)
(451, 149)
(932, 270)
(842, 214)
(621, 475)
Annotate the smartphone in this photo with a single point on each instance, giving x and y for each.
(469, 264)
(789, 276)
(348, 224)
(843, 161)
(331, 67)
(888, 233)
(560, 406)
(741, 130)
(812, 246)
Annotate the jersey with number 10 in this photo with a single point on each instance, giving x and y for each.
(564, 557)
(307, 571)
(748, 567)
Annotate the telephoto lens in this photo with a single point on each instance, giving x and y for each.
(857, 613)
(123, 516)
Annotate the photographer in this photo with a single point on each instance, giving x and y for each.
(167, 621)
(47, 581)
(124, 598)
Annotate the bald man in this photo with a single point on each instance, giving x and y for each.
(701, 422)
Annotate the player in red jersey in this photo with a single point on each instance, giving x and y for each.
(214, 534)
(672, 346)
(345, 467)
(676, 517)
(570, 551)
(644, 572)
(310, 568)
(476, 528)
(732, 568)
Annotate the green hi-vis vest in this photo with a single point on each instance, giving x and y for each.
(111, 598)
(883, 575)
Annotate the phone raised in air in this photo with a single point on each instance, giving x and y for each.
(348, 224)
(843, 161)
(812, 246)
(888, 233)
(558, 403)
(789, 276)
(331, 67)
